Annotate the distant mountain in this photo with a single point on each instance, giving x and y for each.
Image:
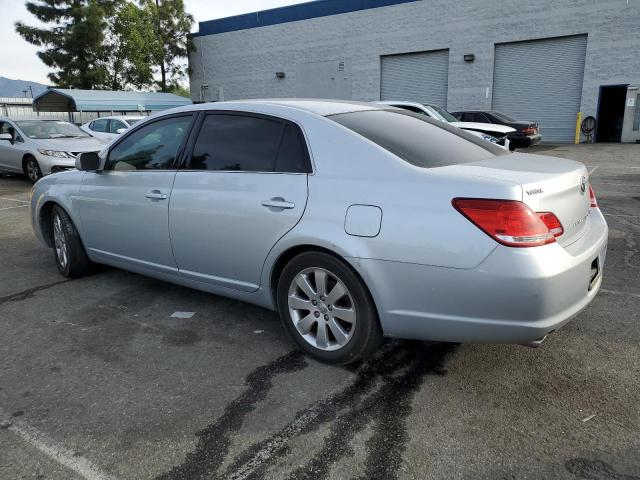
(14, 88)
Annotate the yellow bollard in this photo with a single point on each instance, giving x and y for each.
(578, 122)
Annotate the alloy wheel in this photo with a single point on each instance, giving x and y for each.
(32, 170)
(60, 242)
(322, 309)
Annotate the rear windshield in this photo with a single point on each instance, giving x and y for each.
(417, 139)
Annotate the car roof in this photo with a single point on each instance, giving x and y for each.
(316, 106)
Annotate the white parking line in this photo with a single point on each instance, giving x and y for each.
(49, 447)
(14, 200)
(11, 208)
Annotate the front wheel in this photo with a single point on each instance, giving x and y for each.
(71, 257)
(32, 169)
(327, 309)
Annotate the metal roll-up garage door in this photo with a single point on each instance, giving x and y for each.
(541, 80)
(418, 77)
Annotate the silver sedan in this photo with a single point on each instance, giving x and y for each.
(354, 221)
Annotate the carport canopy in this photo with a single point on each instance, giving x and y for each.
(71, 100)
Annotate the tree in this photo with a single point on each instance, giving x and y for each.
(74, 41)
(173, 41)
(130, 45)
(178, 89)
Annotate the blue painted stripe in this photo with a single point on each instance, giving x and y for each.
(293, 13)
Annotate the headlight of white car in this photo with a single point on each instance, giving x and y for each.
(54, 153)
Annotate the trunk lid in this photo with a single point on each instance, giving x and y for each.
(548, 184)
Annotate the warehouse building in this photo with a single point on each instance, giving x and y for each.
(541, 60)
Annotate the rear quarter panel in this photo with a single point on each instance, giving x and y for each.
(419, 224)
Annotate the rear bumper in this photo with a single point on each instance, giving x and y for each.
(513, 296)
(525, 141)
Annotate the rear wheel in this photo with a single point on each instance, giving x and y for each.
(327, 309)
(32, 169)
(71, 257)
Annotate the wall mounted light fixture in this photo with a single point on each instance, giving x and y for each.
(469, 57)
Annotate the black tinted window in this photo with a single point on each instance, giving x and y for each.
(476, 117)
(99, 125)
(241, 143)
(116, 125)
(418, 140)
(293, 156)
(152, 147)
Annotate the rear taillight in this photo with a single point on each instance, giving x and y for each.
(530, 131)
(552, 223)
(510, 222)
(592, 197)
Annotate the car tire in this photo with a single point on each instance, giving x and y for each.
(337, 324)
(32, 169)
(68, 250)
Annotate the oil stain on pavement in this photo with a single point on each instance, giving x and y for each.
(379, 397)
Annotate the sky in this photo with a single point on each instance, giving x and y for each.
(20, 62)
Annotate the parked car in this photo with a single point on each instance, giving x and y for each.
(498, 132)
(38, 147)
(353, 220)
(526, 134)
(108, 128)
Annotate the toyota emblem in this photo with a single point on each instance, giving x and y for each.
(583, 183)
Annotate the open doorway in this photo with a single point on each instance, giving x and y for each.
(611, 113)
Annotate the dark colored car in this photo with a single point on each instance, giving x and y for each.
(526, 134)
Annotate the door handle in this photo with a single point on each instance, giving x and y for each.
(156, 195)
(278, 202)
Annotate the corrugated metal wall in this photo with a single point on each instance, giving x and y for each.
(541, 80)
(418, 77)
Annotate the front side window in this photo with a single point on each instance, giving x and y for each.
(116, 125)
(240, 143)
(418, 140)
(152, 147)
(99, 125)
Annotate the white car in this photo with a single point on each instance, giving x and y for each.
(499, 132)
(108, 128)
(38, 147)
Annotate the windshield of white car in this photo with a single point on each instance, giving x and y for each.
(48, 129)
(502, 117)
(418, 140)
(441, 113)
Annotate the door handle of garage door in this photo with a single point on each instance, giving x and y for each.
(278, 202)
(156, 195)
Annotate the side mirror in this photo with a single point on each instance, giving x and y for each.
(6, 136)
(88, 162)
(121, 130)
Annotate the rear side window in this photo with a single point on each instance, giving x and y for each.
(244, 143)
(418, 140)
(116, 125)
(99, 125)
